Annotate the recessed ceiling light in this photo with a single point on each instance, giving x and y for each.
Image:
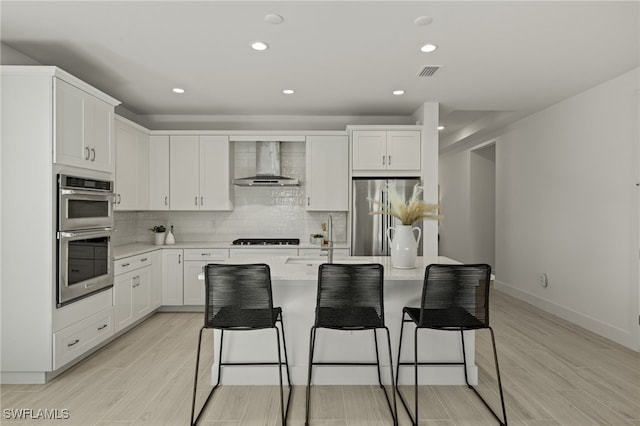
(398, 92)
(259, 45)
(272, 18)
(178, 90)
(428, 48)
(288, 91)
(440, 127)
(423, 20)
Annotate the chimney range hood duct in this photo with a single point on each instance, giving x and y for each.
(267, 168)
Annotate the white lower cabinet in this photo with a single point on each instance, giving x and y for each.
(132, 289)
(193, 287)
(195, 261)
(156, 279)
(71, 342)
(172, 270)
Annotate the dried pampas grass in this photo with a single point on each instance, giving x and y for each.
(408, 212)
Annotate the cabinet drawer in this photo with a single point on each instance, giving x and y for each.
(131, 263)
(71, 342)
(206, 254)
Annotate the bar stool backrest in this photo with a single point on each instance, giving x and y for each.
(350, 296)
(238, 296)
(455, 296)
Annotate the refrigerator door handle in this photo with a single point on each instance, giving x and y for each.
(385, 225)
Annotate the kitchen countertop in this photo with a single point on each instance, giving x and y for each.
(283, 271)
(138, 248)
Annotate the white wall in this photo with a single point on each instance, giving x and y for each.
(567, 206)
(10, 56)
(483, 204)
(455, 226)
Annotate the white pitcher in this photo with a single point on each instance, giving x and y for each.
(404, 246)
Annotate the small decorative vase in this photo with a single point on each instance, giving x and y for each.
(404, 246)
(170, 239)
(159, 238)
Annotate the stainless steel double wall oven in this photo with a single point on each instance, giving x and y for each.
(85, 223)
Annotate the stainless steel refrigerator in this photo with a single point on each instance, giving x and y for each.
(369, 232)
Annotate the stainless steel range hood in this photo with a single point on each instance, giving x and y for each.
(267, 168)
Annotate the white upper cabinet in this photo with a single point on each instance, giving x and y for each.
(159, 173)
(184, 172)
(386, 150)
(327, 185)
(83, 129)
(199, 171)
(215, 173)
(403, 150)
(132, 163)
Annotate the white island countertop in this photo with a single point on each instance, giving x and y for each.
(306, 268)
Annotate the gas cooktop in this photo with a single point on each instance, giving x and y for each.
(266, 242)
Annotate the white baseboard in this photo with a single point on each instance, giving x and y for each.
(615, 334)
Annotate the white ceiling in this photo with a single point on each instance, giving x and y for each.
(342, 58)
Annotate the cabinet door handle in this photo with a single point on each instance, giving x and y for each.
(166, 201)
(144, 260)
(179, 258)
(74, 343)
(93, 154)
(119, 199)
(87, 153)
(205, 254)
(201, 201)
(124, 265)
(103, 327)
(308, 201)
(389, 162)
(383, 160)
(196, 201)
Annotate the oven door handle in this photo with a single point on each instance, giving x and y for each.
(91, 192)
(88, 234)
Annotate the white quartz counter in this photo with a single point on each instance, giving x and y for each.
(138, 248)
(283, 270)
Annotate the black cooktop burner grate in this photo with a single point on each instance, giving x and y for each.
(266, 242)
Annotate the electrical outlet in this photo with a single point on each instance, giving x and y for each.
(544, 280)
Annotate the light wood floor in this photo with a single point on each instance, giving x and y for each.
(554, 373)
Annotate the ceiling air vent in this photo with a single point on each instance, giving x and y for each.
(429, 70)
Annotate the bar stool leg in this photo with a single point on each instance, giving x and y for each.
(286, 363)
(415, 370)
(394, 412)
(375, 341)
(312, 342)
(280, 377)
(195, 380)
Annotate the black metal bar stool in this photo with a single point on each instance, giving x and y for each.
(239, 298)
(350, 297)
(454, 298)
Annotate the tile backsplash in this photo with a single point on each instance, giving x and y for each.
(259, 212)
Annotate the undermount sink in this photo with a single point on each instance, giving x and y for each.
(316, 260)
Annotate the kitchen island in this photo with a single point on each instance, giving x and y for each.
(294, 281)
